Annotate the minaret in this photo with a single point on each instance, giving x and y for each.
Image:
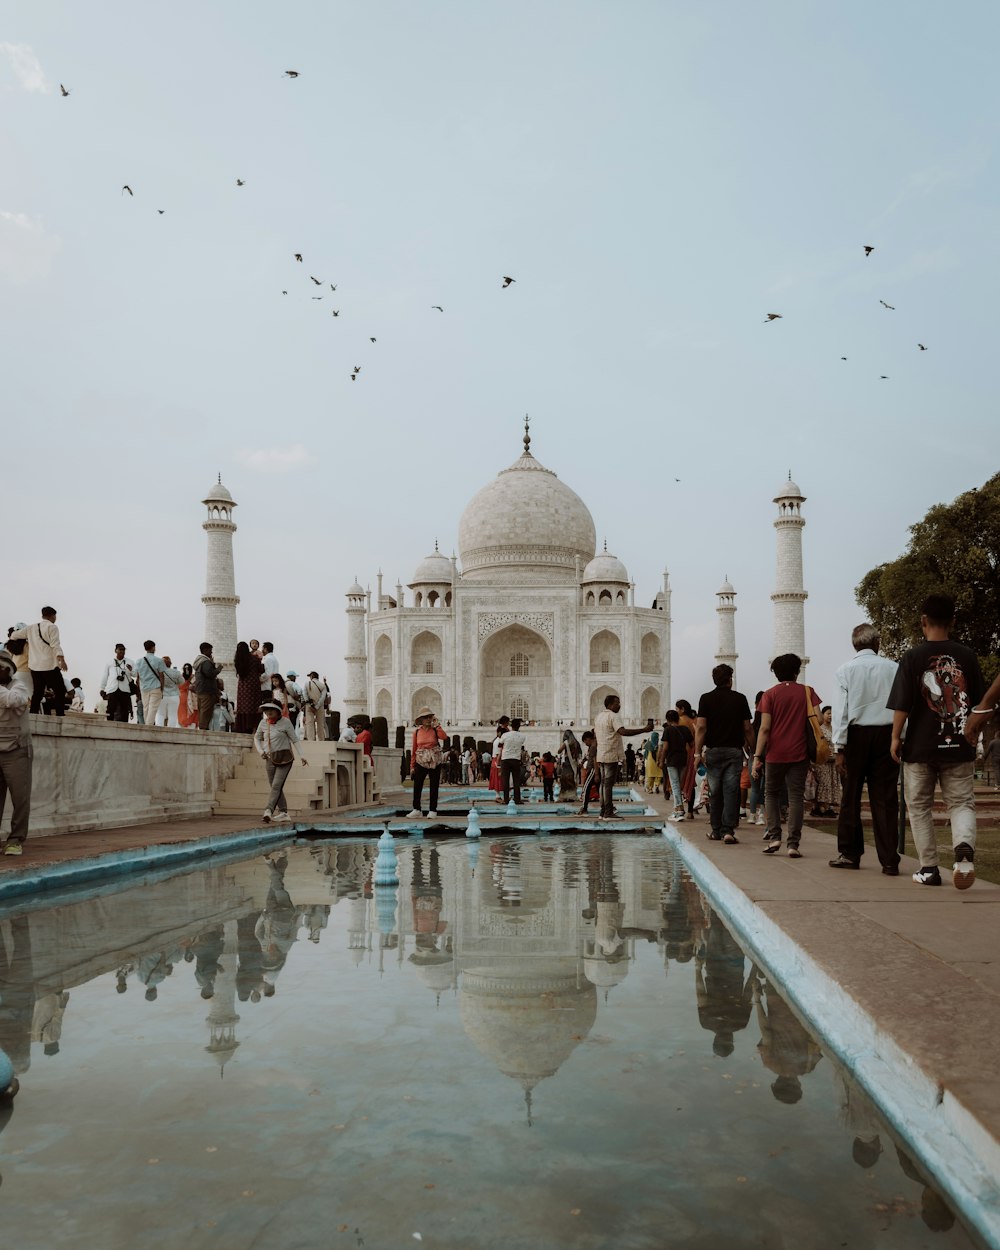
(220, 597)
(223, 1017)
(789, 594)
(356, 686)
(725, 652)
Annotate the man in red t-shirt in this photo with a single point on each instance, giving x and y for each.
(364, 736)
(784, 723)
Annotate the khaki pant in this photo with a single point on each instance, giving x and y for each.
(15, 777)
(206, 706)
(314, 723)
(956, 782)
(151, 700)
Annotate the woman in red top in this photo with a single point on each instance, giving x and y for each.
(784, 723)
(425, 759)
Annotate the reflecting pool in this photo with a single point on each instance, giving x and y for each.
(528, 1042)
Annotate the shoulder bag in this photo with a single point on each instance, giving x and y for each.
(817, 747)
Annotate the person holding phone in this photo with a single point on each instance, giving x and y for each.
(427, 756)
(610, 729)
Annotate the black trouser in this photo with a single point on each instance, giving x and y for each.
(53, 680)
(119, 705)
(419, 773)
(867, 759)
(609, 775)
(547, 795)
(511, 769)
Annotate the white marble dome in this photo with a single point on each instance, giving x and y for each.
(788, 490)
(433, 569)
(727, 588)
(217, 493)
(525, 520)
(605, 568)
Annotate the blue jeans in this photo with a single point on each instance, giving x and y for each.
(675, 774)
(724, 765)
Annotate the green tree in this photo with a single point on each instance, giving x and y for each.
(955, 549)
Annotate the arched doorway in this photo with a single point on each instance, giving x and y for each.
(425, 653)
(597, 700)
(383, 656)
(383, 705)
(426, 696)
(651, 704)
(605, 652)
(515, 664)
(651, 657)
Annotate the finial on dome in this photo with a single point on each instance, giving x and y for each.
(436, 552)
(789, 475)
(605, 544)
(220, 479)
(527, 436)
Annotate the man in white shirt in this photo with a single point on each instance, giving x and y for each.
(15, 751)
(116, 685)
(511, 745)
(316, 696)
(46, 661)
(609, 729)
(296, 696)
(862, 738)
(271, 666)
(166, 713)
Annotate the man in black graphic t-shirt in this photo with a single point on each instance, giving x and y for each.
(937, 684)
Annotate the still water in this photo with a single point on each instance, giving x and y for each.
(528, 1043)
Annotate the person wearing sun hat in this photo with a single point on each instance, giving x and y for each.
(426, 757)
(277, 744)
(15, 751)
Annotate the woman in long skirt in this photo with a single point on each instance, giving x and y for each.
(248, 670)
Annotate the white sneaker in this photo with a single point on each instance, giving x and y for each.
(267, 816)
(760, 818)
(432, 815)
(743, 813)
(281, 817)
(414, 815)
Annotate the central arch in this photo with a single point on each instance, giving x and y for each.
(515, 669)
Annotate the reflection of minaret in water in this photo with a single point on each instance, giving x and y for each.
(223, 1017)
(358, 936)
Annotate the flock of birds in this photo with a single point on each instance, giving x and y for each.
(507, 281)
(869, 248)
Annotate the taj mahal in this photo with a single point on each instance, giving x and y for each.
(530, 619)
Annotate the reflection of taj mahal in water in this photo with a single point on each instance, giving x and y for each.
(536, 623)
(529, 941)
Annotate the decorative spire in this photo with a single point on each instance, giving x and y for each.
(436, 552)
(605, 544)
(527, 436)
(789, 475)
(220, 478)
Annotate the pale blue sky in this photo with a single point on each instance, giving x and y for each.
(656, 176)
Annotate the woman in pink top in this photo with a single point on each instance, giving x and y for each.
(425, 759)
(784, 723)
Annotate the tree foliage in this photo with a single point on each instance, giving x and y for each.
(955, 549)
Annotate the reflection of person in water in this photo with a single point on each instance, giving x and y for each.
(47, 1019)
(315, 919)
(122, 974)
(249, 971)
(427, 898)
(934, 1211)
(724, 999)
(17, 993)
(206, 949)
(150, 970)
(785, 1046)
(278, 924)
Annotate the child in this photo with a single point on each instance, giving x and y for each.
(547, 767)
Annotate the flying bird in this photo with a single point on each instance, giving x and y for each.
(284, 292)
(357, 368)
(891, 307)
(868, 250)
(921, 346)
(372, 340)
(291, 73)
(438, 307)
(127, 188)
(161, 211)
(507, 281)
(62, 90)
(884, 377)
(335, 312)
(298, 257)
(240, 182)
(316, 280)
(332, 287)
(843, 358)
(315, 296)
(772, 317)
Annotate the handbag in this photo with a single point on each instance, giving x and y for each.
(280, 758)
(429, 757)
(817, 747)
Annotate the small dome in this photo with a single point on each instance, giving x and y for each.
(356, 589)
(434, 568)
(727, 588)
(604, 973)
(217, 493)
(605, 568)
(788, 490)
